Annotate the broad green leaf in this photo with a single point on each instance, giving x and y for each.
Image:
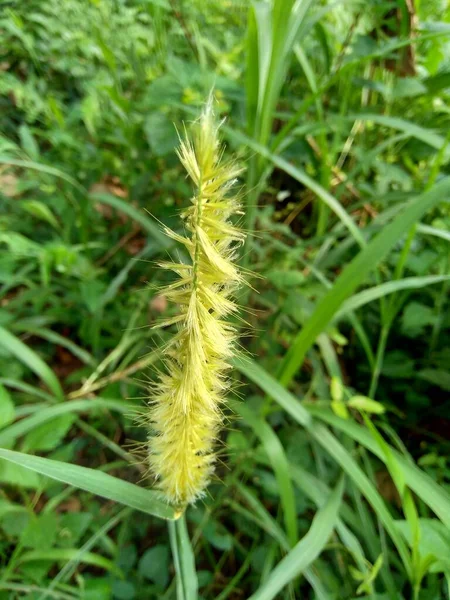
(49, 435)
(95, 482)
(155, 564)
(161, 134)
(28, 142)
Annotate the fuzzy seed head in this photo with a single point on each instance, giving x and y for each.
(185, 410)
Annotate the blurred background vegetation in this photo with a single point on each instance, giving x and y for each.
(340, 112)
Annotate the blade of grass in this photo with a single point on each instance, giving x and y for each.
(390, 287)
(277, 457)
(9, 434)
(69, 568)
(306, 551)
(434, 495)
(67, 554)
(28, 164)
(300, 176)
(15, 346)
(330, 444)
(147, 224)
(421, 133)
(56, 338)
(354, 274)
(95, 482)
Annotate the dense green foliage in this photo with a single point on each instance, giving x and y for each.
(339, 112)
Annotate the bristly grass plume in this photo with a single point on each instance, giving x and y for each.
(185, 410)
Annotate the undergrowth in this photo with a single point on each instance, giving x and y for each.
(331, 478)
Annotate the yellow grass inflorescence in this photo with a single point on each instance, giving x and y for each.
(185, 410)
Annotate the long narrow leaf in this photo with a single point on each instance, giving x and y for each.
(354, 274)
(390, 287)
(306, 551)
(435, 496)
(277, 457)
(330, 444)
(13, 344)
(11, 433)
(95, 482)
(150, 226)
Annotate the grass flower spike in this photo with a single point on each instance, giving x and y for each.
(185, 412)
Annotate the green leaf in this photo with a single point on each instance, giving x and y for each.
(408, 87)
(161, 134)
(7, 410)
(16, 347)
(306, 551)
(68, 554)
(354, 274)
(421, 133)
(28, 164)
(434, 495)
(147, 224)
(384, 289)
(285, 279)
(328, 441)
(436, 377)
(19, 476)
(95, 482)
(61, 340)
(415, 318)
(11, 433)
(49, 435)
(40, 211)
(28, 142)
(434, 539)
(366, 405)
(277, 457)
(40, 532)
(154, 565)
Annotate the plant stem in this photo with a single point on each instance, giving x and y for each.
(379, 360)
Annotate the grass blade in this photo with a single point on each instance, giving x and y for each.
(390, 287)
(28, 164)
(147, 224)
(15, 346)
(306, 551)
(68, 554)
(95, 482)
(9, 434)
(354, 274)
(330, 444)
(436, 497)
(277, 457)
